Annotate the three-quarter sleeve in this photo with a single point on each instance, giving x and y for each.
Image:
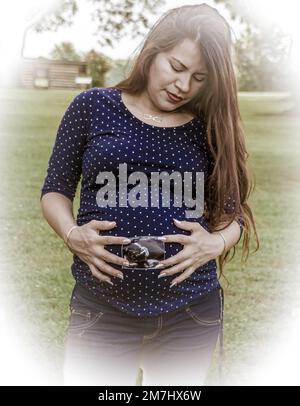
(65, 163)
(230, 202)
(229, 208)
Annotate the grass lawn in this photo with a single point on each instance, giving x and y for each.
(36, 266)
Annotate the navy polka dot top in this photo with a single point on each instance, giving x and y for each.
(96, 134)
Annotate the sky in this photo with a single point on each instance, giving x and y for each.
(266, 12)
(82, 32)
(41, 44)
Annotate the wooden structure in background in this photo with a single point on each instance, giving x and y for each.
(51, 74)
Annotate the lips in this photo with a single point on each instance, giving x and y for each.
(173, 97)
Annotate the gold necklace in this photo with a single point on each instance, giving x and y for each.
(152, 117)
(158, 119)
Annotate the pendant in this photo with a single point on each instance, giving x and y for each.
(154, 118)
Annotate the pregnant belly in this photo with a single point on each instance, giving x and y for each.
(143, 289)
(140, 221)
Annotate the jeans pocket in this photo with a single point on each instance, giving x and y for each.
(207, 311)
(84, 314)
(83, 319)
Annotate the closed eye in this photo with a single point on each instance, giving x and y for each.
(179, 70)
(176, 70)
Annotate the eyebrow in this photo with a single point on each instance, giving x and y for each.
(177, 60)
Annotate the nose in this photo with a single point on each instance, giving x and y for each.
(183, 84)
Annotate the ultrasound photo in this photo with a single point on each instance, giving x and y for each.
(143, 252)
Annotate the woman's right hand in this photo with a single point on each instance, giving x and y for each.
(88, 245)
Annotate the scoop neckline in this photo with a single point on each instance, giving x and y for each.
(122, 104)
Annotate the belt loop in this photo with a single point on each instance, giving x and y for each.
(221, 336)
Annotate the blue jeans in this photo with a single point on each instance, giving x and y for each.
(105, 346)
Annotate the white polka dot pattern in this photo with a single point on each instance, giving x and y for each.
(97, 133)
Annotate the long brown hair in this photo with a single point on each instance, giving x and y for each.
(217, 103)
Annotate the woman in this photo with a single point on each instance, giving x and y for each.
(177, 113)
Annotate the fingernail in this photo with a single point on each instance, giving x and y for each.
(178, 221)
(119, 275)
(159, 266)
(161, 275)
(173, 284)
(112, 223)
(126, 241)
(110, 282)
(126, 263)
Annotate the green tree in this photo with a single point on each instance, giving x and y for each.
(65, 51)
(115, 18)
(261, 61)
(118, 72)
(263, 52)
(97, 63)
(98, 66)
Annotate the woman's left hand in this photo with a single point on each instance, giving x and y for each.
(199, 248)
